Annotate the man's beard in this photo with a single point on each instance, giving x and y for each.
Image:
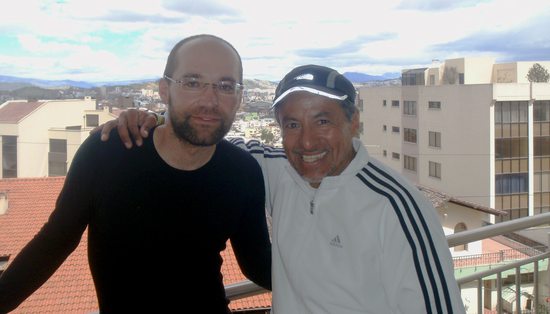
(187, 133)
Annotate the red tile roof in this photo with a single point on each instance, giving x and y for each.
(439, 198)
(71, 289)
(232, 274)
(13, 112)
(30, 201)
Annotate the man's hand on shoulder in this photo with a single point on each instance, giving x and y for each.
(131, 124)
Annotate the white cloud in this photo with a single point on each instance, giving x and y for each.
(272, 37)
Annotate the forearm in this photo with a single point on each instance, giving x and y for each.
(257, 267)
(31, 268)
(251, 243)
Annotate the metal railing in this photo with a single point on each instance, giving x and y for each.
(500, 229)
(247, 288)
(502, 256)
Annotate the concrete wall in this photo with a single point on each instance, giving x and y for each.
(33, 135)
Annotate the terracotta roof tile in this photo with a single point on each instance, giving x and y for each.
(71, 289)
(30, 202)
(13, 112)
(439, 198)
(232, 274)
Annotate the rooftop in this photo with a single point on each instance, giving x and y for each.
(71, 289)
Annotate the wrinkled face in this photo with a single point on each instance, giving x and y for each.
(317, 136)
(202, 118)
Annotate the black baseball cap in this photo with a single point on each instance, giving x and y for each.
(315, 79)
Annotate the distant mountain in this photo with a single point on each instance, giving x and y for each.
(11, 82)
(356, 77)
(260, 84)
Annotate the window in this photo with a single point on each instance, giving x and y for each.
(541, 149)
(409, 108)
(395, 156)
(395, 103)
(413, 77)
(361, 127)
(9, 156)
(512, 183)
(432, 79)
(4, 202)
(511, 158)
(409, 163)
(434, 105)
(409, 135)
(92, 120)
(384, 103)
(460, 78)
(512, 147)
(384, 128)
(434, 139)
(57, 158)
(395, 129)
(360, 105)
(3, 263)
(541, 110)
(384, 153)
(512, 111)
(541, 146)
(435, 169)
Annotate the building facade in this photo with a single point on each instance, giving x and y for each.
(40, 138)
(469, 127)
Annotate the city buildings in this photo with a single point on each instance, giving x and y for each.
(473, 129)
(468, 127)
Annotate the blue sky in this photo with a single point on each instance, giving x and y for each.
(110, 40)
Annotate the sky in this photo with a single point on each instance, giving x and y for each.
(112, 40)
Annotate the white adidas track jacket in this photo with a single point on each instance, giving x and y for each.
(365, 241)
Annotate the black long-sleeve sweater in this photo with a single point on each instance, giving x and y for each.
(151, 227)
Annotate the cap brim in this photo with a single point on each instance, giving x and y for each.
(308, 89)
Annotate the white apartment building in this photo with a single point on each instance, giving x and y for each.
(468, 127)
(40, 138)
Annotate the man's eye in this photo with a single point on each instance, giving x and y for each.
(323, 121)
(192, 84)
(291, 125)
(226, 86)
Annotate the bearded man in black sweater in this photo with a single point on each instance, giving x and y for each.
(144, 239)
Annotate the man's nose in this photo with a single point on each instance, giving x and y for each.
(307, 138)
(210, 94)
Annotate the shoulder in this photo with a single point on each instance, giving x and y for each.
(235, 153)
(94, 148)
(384, 179)
(236, 161)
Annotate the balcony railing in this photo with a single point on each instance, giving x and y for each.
(495, 258)
(247, 288)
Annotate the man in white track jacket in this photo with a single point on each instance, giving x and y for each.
(349, 234)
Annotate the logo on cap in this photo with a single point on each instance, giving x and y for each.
(306, 76)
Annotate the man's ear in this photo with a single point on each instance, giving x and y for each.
(164, 90)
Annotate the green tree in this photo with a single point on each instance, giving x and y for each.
(266, 136)
(538, 74)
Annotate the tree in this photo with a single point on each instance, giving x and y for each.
(538, 74)
(266, 136)
(450, 75)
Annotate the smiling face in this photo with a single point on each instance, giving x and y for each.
(317, 136)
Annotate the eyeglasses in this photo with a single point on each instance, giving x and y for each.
(195, 85)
